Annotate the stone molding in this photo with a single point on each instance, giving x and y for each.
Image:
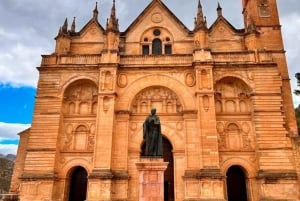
(203, 173)
(271, 175)
(33, 176)
(109, 175)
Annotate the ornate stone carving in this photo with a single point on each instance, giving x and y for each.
(156, 17)
(161, 98)
(80, 98)
(122, 80)
(106, 103)
(107, 83)
(232, 96)
(81, 137)
(204, 79)
(234, 137)
(190, 79)
(206, 103)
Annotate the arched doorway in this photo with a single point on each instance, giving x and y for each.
(78, 185)
(236, 184)
(169, 173)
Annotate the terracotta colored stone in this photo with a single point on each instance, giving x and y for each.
(223, 96)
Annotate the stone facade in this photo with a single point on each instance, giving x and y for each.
(223, 96)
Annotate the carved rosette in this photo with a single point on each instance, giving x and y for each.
(156, 17)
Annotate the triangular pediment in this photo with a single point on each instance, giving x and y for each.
(222, 29)
(91, 32)
(156, 15)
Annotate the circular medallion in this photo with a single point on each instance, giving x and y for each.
(156, 18)
(190, 79)
(122, 80)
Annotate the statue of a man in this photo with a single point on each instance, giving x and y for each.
(152, 135)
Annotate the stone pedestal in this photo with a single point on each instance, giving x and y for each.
(151, 179)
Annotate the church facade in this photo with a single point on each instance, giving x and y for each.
(222, 94)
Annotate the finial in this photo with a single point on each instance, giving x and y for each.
(59, 31)
(95, 11)
(73, 25)
(64, 28)
(251, 27)
(199, 4)
(219, 10)
(200, 22)
(112, 23)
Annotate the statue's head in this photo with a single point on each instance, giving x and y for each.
(153, 111)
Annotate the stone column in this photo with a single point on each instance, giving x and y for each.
(151, 179)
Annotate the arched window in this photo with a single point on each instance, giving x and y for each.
(156, 47)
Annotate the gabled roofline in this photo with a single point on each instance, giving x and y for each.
(90, 22)
(24, 131)
(137, 19)
(222, 18)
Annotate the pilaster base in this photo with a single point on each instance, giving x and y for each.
(151, 179)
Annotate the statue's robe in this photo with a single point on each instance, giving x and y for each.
(152, 136)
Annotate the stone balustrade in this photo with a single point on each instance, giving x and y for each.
(150, 60)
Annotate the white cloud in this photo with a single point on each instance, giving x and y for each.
(17, 65)
(8, 149)
(290, 29)
(9, 131)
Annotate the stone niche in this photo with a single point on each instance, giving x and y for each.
(161, 98)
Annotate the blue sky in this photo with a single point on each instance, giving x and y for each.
(28, 28)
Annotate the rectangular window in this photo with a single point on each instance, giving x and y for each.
(145, 50)
(168, 49)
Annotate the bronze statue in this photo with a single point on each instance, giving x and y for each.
(152, 135)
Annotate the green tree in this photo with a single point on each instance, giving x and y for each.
(297, 91)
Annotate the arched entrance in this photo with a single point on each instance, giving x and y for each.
(236, 184)
(78, 185)
(169, 173)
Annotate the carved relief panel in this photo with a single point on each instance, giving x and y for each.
(78, 137)
(107, 80)
(80, 98)
(232, 96)
(161, 98)
(235, 136)
(204, 79)
(79, 116)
